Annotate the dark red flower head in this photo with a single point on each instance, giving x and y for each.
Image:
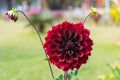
(68, 45)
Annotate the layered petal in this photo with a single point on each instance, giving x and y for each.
(68, 45)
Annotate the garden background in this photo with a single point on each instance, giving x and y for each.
(21, 54)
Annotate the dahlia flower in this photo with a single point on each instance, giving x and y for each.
(68, 45)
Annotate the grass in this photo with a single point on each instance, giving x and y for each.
(22, 57)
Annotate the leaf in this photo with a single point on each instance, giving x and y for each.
(75, 71)
(70, 72)
(60, 76)
(56, 79)
(69, 76)
(47, 59)
(74, 78)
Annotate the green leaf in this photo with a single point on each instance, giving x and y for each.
(69, 76)
(47, 59)
(75, 71)
(74, 78)
(56, 79)
(60, 76)
(70, 72)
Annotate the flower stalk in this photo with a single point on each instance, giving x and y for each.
(65, 76)
(92, 11)
(39, 39)
(86, 17)
(13, 15)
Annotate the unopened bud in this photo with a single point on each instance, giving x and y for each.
(93, 10)
(12, 14)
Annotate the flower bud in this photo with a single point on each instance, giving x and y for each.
(93, 10)
(12, 14)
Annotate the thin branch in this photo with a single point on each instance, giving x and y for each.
(39, 39)
(86, 18)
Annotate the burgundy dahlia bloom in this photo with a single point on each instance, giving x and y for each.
(68, 45)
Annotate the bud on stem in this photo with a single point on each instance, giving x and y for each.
(92, 11)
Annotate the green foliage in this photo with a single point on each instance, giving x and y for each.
(21, 57)
(29, 2)
(75, 71)
(63, 4)
(114, 75)
(74, 78)
(60, 77)
(47, 59)
(56, 4)
(71, 75)
(41, 19)
(18, 1)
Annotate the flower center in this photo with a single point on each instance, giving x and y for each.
(69, 45)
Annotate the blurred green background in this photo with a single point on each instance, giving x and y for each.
(21, 54)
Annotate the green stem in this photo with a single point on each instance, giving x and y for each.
(65, 76)
(39, 39)
(86, 18)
